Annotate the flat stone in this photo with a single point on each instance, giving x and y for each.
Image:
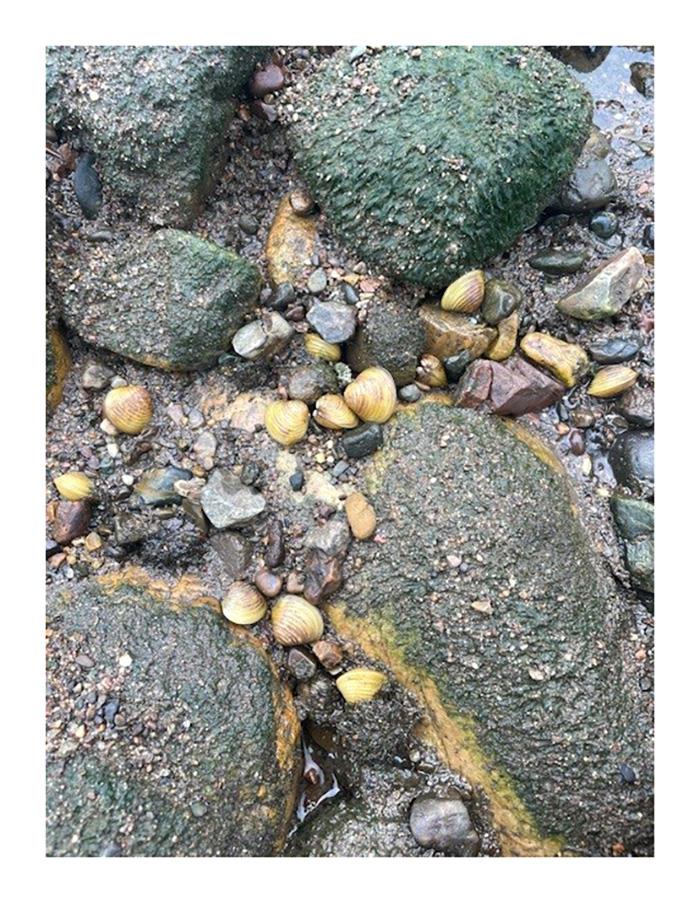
(235, 553)
(634, 518)
(518, 388)
(229, 503)
(448, 333)
(567, 361)
(607, 289)
(290, 245)
(617, 350)
(308, 383)
(334, 321)
(475, 385)
(363, 440)
(558, 263)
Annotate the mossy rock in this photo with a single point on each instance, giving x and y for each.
(522, 654)
(438, 162)
(169, 300)
(155, 118)
(202, 756)
(390, 336)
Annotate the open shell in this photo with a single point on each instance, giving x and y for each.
(128, 408)
(372, 396)
(74, 486)
(243, 604)
(332, 412)
(360, 684)
(318, 347)
(287, 421)
(296, 621)
(465, 294)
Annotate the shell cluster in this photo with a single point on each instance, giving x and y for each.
(464, 294)
(360, 684)
(372, 395)
(128, 408)
(74, 486)
(295, 621)
(287, 421)
(243, 604)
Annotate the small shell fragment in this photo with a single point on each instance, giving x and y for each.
(465, 294)
(360, 684)
(360, 515)
(613, 380)
(74, 486)
(287, 421)
(128, 408)
(243, 604)
(296, 621)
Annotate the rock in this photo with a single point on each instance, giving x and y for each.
(235, 553)
(577, 442)
(267, 80)
(474, 387)
(518, 388)
(390, 336)
(607, 289)
(396, 180)
(558, 263)
(95, 376)
(317, 282)
(290, 245)
(132, 106)
(334, 321)
(87, 187)
(248, 224)
(634, 518)
(566, 361)
(360, 515)
(262, 338)
(410, 394)
(447, 333)
(592, 185)
(616, 350)
(329, 654)
(71, 521)
(491, 494)
(275, 551)
(350, 296)
(648, 235)
(637, 406)
(632, 460)
(296, 480)
(642, 77)
(229, 503)
(363, 440)
(500, 300)
(639, 559)
(270, 585)
(302, 666)
(157, 486)
(332, 539)
(175, 541)
(178, 693)
(301, 202)
(507, 338)
(282, 297)
(170, 300)
(58, 364)
(310, 382)
(456, 364)
(444, 825)
(603, 224)
(131, 528)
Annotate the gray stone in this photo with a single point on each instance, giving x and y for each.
(317, 282)
(95, 376)
(616, 350)
(229, 503)
(444, 825)
(637, 406)
(592, 185)
(363, 440)
(309, 382)
(262, 338)
(558, 263)
(607, 289)
(157, 486)
(235, 553)
(632, 460)
(334, 321)
(390, 336)
(410, 393)
(332, 538)
(501, 298)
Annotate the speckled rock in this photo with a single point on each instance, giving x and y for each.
(262, 338)
(169, 300)
(634, 519)
(58, 364)
(607, 289)
(448, 333)
(228, 502)
(534, 697)
(308, 383)
(291, 242)
(225, 767)
(390, 336)
(396, 178)
(632, 460)
(591, 185)
(334, 321)
(132, 106)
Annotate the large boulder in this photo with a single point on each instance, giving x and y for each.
(486, 599)
(168, 300)
(169, 733)
(429, 162)
(154, 117)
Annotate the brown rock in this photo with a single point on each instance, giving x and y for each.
(474, 386)
(360, 515)
(323, 576)
(449, 333)
(517, 388)
(270, 585)
(267, 80)
(290, 244)
(72, 520)
(301, 202)
(505, 342)
(274, 554)
(329, 654)
(295, 583)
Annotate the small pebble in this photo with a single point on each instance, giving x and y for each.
(296, 480)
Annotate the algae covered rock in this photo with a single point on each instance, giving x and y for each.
(154, 117)
(169, 300)
(521, 654)
(169, 733)
(429, 163)
(390, 336)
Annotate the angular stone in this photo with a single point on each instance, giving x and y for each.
(607, 289)
(567, 361)
(448, 333)
(507, 338)
(334, 321)
(475, 385)
(308, 383)
(634, 518)
(332, 538)
(290, 245)
(323, 576)
(71, 521)
(363, 440)
(235, 552)
(518, 388)
(390, 336)
(637, 406)
(229, 503)
(263, 338)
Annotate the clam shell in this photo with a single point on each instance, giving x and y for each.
(372, 395)
(360, 515)
(360, 684)
(74, 486)
(464, 294)
(243, 604)
(287, 421)
(128, 408)
(332, 412)
(613, 380)
(318, 347)
(296, 621)
(430, 372)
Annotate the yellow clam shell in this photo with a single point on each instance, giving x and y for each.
(74, 486)
(287, 421)
(612, 380)
(430, 372)
(464, 294)
(296, 621)
(128, 408)
(360, 684)
(360, 515)
(318, 347)
(333, 413)
(243, 604)
(372, 396)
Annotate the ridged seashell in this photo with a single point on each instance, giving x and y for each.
(318, 347)
(287, 421)
(465, 294)
(612, 380)
(332, 412)
(243, 604)
(360, 515)
(372, 395)
(360, 684)
(128, 408)
(296, 621)
(430, 372)
(74, 486)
